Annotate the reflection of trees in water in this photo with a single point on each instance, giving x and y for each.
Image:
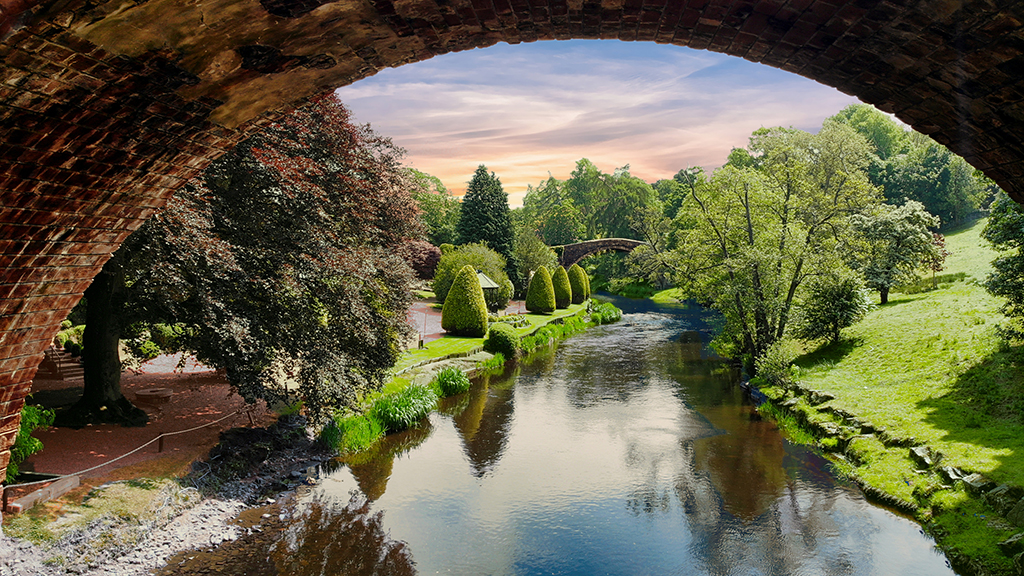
(372, 468)
(330, 539)
(485, 422)
(746, 464)
(625, 359)
(738, 521)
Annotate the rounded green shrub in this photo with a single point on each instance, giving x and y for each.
(502, 339)
(540, 296)
(451, 381)
(578, 283)
(586, 284)
(563, 290)
(400, 410)
(479, 256)
(605, 313)
(465, 312)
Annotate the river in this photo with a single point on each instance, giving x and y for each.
(626, 450)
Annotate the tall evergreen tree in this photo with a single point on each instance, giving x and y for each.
(486, 218)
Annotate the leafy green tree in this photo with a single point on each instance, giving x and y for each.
(1005, 231)
(578, 283)
(750, 237)
(439, 209)
(585, 187)
(671, 193)
(562, 288)
(486, 218)
(540, 297)
(478, 255)
(465, 312)
(892, 243)
(562, 225)
(656, 261)
(908, 164)
(833, 302)
(532, 253)
(287, 251)
(624, 195)
(887, 137)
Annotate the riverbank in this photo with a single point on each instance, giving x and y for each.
(921, 405)
(132, 526)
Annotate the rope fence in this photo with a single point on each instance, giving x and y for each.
(160, 448)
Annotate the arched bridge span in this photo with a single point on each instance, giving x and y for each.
(106, 107)
(570, 254)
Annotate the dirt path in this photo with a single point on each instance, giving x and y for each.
(200, 396)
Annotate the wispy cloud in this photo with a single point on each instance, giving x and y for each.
(533, 109)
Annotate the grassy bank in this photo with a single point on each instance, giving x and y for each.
(928, 369)
(357, 431)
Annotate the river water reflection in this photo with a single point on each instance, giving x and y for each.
(629, 450)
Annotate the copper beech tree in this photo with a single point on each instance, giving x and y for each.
(283, 262)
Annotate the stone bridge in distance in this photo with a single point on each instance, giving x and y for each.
(570, 254)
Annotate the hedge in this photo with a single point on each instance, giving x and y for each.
(578, 283)
(540, 297)
(563, 290)
(502, 338)
(465, 312)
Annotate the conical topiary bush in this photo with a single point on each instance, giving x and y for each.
(578, 283)
(563, 290)
(465, 312)
(540, 296)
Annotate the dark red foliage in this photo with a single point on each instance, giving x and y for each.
(423, 257)
(286, 257)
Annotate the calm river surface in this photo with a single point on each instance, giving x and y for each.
(628, 451)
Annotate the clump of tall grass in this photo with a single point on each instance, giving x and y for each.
(451, 380)
(400, 410)
(352, 433)
(496, 361)
(787, 423)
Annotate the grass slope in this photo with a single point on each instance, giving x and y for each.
(930, 367)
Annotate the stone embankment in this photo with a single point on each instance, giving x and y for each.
(844, 434)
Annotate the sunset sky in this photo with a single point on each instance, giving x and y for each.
(530, 110)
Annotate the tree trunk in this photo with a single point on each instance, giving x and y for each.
(883, 295)
(102, 401)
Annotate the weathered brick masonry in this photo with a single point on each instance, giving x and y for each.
(106, 107)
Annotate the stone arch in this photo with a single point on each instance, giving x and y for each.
(107, 107)
(570, 254)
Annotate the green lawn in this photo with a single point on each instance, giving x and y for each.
(930, 367)
(447, 346)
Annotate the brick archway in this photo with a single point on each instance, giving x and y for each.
(572, 253)
(106, 107)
